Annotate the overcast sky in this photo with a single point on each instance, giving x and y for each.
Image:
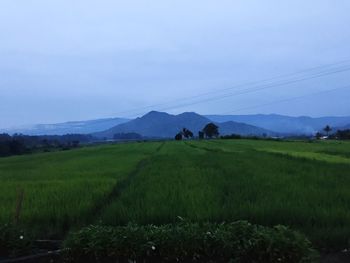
(66, 60)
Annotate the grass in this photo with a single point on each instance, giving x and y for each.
(61, 189)
(299, 184)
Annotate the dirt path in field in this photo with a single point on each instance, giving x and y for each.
(123, 184)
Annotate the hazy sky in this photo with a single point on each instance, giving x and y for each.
(80, 59)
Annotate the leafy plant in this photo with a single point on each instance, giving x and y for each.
(239, 242)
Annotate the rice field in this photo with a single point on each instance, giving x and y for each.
(300, 184)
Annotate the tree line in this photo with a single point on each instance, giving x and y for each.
(339, 134)
(18, 144)
(212, 131)
(209, 131)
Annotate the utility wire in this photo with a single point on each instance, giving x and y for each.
(258, 88)
(236, 87)
(287, 99)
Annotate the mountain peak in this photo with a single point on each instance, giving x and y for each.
(155, 113)
(190, 113)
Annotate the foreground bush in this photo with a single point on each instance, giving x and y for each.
(187, 242)
(13, 241)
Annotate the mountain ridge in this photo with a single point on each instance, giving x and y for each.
(164, 125)
(271, 124)
(302, 125)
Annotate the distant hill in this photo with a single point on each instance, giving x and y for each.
(231, 127)
(346, 127)
(163, 125)
(284, 124)
(75, 127)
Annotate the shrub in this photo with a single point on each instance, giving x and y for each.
(232, 136)
(239, 242)
(178, 137)
(13, 241)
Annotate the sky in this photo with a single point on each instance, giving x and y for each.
(64, 60)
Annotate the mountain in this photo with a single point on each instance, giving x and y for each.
(346, 127)
(163, 125)
(231, 127)
(75, 127)
(284, 124)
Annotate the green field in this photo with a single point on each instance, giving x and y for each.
(300, 184)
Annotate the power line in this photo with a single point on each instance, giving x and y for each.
(259, 88)
(287, 99)
(329, 66)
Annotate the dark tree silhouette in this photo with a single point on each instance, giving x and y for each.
(24, 144)
(318, 135)
(187, 133)
(178, 136)
(201, 135)
(327, 129)
(343, 134)
(211, 130)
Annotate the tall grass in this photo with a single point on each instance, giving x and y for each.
(265, 182)
(217, 181)
(61, 189)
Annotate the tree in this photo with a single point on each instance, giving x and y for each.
(5, 137)
(16, 147)
(327, 129)
(75, 144)
(318, 135)
(178, 136)
(201, 135)
(211, 130)
(343, 135)
(187, 133)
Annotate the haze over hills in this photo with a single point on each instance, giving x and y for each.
(344, 127)
(285, 124)
(164, 125)
(161, 125)
(77, 127)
